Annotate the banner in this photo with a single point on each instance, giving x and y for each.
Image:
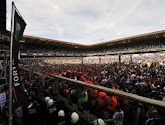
(2, 100)
(19, 26)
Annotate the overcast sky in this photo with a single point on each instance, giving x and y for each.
(89, 21)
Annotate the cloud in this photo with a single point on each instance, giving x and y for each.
(89, 21)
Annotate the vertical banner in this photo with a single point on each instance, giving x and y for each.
(19, 26)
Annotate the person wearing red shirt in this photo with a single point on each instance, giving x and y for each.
(102, 98)
(111, 103)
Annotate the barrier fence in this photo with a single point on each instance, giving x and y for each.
(137, 109)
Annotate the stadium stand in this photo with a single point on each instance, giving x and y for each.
(115, 82)
(132, 70)
(136, 72)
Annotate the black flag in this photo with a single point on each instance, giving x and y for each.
(19, 26)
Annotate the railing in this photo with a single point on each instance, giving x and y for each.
(136, 104)
(117, 93)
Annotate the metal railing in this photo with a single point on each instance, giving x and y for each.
(139, 102)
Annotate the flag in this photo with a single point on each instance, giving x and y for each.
(18, 29)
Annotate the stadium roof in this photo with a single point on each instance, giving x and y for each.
(37, 42)
(149, 35)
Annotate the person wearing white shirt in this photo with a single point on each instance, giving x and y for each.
(117, 117)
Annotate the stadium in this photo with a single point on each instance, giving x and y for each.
(116, 82)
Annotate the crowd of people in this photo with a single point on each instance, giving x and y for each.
(41, 107)
(142, 58)
(111, 49)
(57, 52)
(63, 60)
(142, 77)
(124, 48)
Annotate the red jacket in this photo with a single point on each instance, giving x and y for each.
(93, 93)
(101, 98)
(111, 102)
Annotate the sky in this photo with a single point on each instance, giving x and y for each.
(89, 21)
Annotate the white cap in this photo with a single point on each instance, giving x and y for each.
(26, 91)
(50, 102)
(47, 99)
(73, 92)
(74, 117)
(61, 113)
(99, 122)
(164, 88)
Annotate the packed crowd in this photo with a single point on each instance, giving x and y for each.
(63, 60)
(122, 48)
(141, 58)
(34, 50)
(144, 79)
(41, 107)
(149, 74)
(128, 48)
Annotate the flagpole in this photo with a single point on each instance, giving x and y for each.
(11, 62)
